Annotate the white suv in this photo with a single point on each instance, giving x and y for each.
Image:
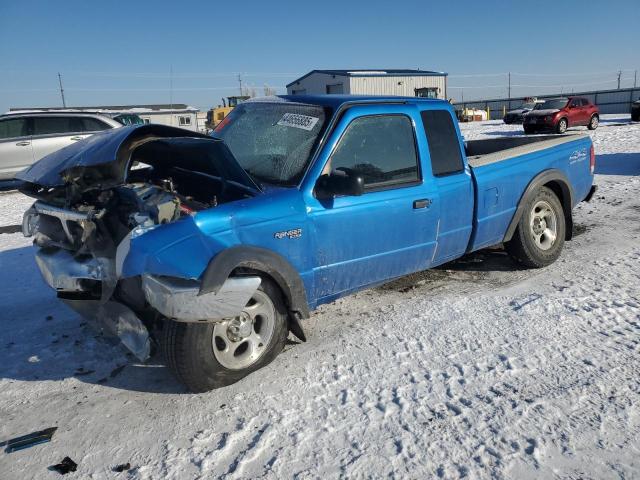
(26, 137)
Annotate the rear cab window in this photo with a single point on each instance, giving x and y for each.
(444, 146)
(381, 148)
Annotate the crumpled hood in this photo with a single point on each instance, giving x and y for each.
(518, 111)
(102, 160)
(542, 113)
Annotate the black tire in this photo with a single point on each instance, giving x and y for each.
(593, 122)
(188, 348)
(562, 125)
(528, 130)
(523, 247)
(635, 117)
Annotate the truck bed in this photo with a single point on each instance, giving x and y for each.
(502, 168)
(485, 152)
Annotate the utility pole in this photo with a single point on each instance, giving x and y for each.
(619, 75)
(509, 90)
(240, 82)
(635, 77)
(64, 104)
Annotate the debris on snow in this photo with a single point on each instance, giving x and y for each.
(30, 440)
(66, 466)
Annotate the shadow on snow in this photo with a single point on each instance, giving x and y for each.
(43, 339)
(618, 164)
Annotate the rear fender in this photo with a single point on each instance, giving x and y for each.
(557, 181)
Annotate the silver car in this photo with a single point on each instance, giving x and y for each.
(26, 137)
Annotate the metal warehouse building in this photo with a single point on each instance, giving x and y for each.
(406, 83)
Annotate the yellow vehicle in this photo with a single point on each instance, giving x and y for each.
(217, 114)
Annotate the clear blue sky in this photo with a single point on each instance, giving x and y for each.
(113, 52)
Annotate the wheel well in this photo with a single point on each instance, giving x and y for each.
(562, 192)
(263, 262)
(284, 290)
(557, 182)
(293, 311)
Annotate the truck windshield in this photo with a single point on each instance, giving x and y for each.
(553, 104)
(273, 142)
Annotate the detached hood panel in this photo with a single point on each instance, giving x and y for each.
(102, 160)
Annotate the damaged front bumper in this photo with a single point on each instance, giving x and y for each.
(86, 283)
(179, 299)
(65, 273)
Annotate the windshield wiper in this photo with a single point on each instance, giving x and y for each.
(254, 177)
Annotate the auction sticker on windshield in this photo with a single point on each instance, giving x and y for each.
(296, 120)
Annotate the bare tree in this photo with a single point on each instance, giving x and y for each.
(269, 91)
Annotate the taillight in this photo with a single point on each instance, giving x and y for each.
(592, 160)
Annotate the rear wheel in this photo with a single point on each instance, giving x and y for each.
(635, 116)
(205, 356)
(528, 129)
(539, 237)
(593, 123)
(562, 125)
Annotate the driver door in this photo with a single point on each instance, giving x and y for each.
(391, 229)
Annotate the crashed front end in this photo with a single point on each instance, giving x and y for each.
(117, 235)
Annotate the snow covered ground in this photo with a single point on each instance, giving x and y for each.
(476, 369)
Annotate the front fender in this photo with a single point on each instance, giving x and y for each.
(178, 249)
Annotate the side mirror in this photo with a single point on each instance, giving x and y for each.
(339, 183)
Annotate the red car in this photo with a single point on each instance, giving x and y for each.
(558, 114)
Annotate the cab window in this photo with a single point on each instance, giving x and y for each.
(13, 128)
(381, 148)
(56, 125)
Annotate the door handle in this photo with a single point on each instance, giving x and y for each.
(23, 144)
(422, 203)
(76, 138)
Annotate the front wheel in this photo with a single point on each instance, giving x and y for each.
(562, 125)
(539, 237)
(528, 130)
(593, 123)
(204, 356)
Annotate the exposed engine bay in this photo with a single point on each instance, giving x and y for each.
(86, 216)
(158, 190)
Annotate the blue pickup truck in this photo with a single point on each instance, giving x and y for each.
(212, 249)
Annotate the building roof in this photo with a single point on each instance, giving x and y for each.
(337, 101)
(118, 108)
(390, 72)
